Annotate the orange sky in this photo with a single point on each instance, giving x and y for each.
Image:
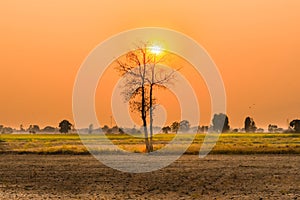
(255, 44)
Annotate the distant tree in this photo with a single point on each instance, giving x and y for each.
(184, 126)
(202, 129)
(236, 130)
(1, 127)
(247, 124)
(220, 123)
(22, 128)
(64, 126)
(250, 125)
(34, 129)
(175, 127)
(115, 130)
(91, 128)
(7, 130)
(48, 129)
(166, 129)
(121, 131)
(295, 125)
(272, 128)
(105, 129)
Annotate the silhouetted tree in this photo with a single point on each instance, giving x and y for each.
(166, 129)
(175, 127)
(143, 74)
(272, 128)
(105, 128)
(64, 126)
(121, 131)
(115, 130)
(236, 130)
(34, 129)
(184, 126)
(22, 128)
(250, 125)
(91, 128)
(220, 123)
(202, 129)
(7, 130)
(295, 125)
(247, 124)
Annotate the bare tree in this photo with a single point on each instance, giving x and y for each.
(142, 74)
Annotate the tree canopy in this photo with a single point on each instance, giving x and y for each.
(250, 125)
(295, 125)
(220, 123)
(64, 126)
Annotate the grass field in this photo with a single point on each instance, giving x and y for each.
(229, 143)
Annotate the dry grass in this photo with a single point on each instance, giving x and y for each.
(229, 143)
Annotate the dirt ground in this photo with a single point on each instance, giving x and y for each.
(215, 177)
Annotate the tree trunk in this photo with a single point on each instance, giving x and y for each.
(144, 118)
(151, 104)
(151, 118)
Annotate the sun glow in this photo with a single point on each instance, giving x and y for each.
(155, 49)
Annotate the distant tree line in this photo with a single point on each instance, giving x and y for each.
(220, 124)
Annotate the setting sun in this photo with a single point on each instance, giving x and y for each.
(156, 49)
